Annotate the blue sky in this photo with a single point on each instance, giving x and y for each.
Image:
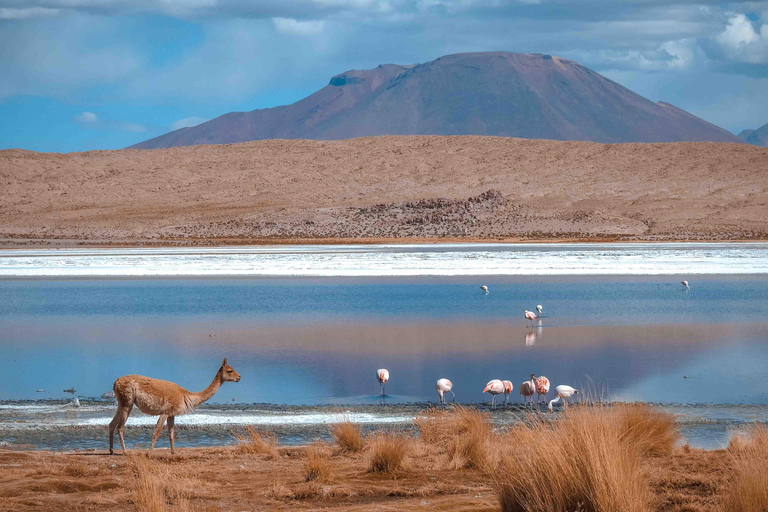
(77, 75)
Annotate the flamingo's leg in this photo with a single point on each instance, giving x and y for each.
(454, 396)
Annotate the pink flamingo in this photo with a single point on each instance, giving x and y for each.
(564, 392)
(528, 388)
(507, 390)
(494, 387)
(444, 386)
(530, 315)
(382, 376)
(542, 387)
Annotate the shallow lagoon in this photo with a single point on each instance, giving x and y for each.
(315, 342)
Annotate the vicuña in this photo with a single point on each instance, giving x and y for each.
(160, 397)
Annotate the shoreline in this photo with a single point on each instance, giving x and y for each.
(55, 243)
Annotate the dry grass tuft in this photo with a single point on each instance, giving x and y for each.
(254, 442)
(464, 434)
(652, 432)
(748, 484)
(156, 489)
(388, 452)
(581, 462)
(348, 437)
(279, 490)
(317, 466)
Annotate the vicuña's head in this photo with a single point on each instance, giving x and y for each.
(228, 374)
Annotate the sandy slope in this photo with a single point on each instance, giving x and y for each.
(416, 187)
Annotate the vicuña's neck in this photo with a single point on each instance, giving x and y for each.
(202, 396)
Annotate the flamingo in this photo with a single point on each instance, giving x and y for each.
(382, 376)
(444, 386)
(528, 388)
(530, 315)
(494, 387)
(564, 392)
(540, 309)
(507, 390)
(542, 387)
(484, 288)
(685, 283)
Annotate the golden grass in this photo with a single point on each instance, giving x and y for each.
(255, 442)
(747, 490)
(317, 465)
(155, 489)
(348, 437)
(652, 432)
(388, 452)
(463, 434)
(586, 461)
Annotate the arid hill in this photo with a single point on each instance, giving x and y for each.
(496, 93)
(409, 188)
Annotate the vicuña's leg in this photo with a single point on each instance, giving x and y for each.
(112, 425)
(124, 412)
(171, 430)
(158, 429)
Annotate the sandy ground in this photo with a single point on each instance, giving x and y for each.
(385, 189)
(222, 479)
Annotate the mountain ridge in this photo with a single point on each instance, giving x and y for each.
(757, 137)
(533, 96)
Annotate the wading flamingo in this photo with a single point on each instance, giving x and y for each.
(528, 388)
(530, 315)
(564, 392)
(494, 387)
(160, 397)
(685, 283)
(484, 288)
(507, 390)
(542, 387)
(540, 309)
(444, 386)
(382, 376)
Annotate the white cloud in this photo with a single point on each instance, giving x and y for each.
(87, 118)
(27, 13)
(188, 122)
(93, 121)
(298, 28)
(671, 55)
(127, 126)
(742, 42)
(57, 56)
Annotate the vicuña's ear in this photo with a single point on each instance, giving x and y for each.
(225, 362)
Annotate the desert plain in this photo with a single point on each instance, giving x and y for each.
(385, 189)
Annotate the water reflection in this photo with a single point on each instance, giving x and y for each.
(533, 334)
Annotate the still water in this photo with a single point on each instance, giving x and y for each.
(311, 346)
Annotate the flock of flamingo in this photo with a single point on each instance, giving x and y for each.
(536, 385)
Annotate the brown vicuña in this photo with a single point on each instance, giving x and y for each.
(160, 397)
